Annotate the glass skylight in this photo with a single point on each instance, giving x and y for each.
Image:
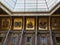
(30, 5)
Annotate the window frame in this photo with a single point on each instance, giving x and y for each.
(44, 42)
(30, 43)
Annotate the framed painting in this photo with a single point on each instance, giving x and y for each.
(30, 23)
(55, 23)
(17, 24)
(43, 24)
(5, 23)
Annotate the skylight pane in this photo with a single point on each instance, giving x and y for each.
(52, 2)
(53, 5)
(19, 9)
(41, 1)
(20, 1)
(30, 10)
(30, 1)
(49, 1)
(42, 6)
(42, 9)
(14, 0)
(30, 5)
(19, 6)
(9, 3)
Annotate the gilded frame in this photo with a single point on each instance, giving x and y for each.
(30, 23)
(55, 23)
(42, 21)
(17, 25)
(6, 23)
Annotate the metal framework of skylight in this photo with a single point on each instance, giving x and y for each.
(30, 5)
(9, 3)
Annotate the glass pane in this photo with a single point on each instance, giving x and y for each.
(43, 39)
(28, 39)
(46, 5)
(14, 40)
(20, 1)
(30, 1)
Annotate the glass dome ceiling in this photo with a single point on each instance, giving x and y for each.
(30, 5)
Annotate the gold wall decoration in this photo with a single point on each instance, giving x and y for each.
(5, 23)
(55, 23)
(17, 24)
(30, 23)
(43, 24)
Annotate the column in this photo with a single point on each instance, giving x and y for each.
(51, 39)
(20, 42)
(36, 32)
